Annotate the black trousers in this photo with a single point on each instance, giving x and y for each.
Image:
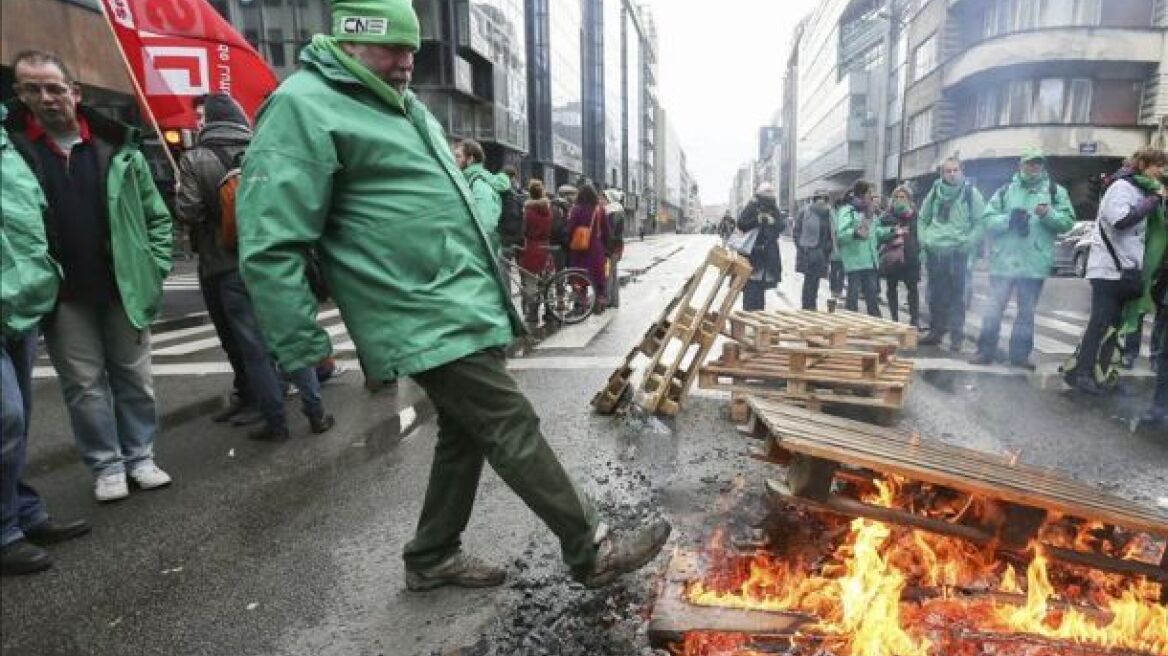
(1106, 311)
(863, 282)
(811, 291)
(835, 278)
(754, 295)
(911, 285)
(948, 277)
(213, 299)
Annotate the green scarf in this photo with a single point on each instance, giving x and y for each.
(1032, 181)
(375, 84)
(1155, 245)
(945, 192)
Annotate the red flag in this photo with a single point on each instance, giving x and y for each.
(180, 49)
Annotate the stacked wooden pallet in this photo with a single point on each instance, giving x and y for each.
(813, 359)
(818, 449)
(680, 339)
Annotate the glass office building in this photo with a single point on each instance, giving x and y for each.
(613, 93)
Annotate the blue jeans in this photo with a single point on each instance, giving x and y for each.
(1022, 337)
(20, 505)
(266, 388)
(103, 364)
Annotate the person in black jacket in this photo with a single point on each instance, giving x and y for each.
(814, 242)
(900, 257)
(762, 213)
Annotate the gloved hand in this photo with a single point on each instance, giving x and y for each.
(1020, 221)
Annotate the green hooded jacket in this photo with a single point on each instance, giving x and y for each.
(487, 187)
(140, 227)
(28, 275)
(962, 229)
(858, 254)
(343, 163)
(1015, 255)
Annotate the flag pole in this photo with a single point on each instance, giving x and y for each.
(140, 95)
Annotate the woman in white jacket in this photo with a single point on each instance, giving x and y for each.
(1117, 244)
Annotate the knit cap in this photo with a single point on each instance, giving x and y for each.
(380, 22)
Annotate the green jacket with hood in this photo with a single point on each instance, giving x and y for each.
(140, 227)
(28, 275)
(487, 187)
(1016, 255)
(342, 162)
(959, 229)
(858, 254)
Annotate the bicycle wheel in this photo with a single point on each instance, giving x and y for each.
(570, 296)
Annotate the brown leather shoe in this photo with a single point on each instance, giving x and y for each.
(621, 554)
(459, 570)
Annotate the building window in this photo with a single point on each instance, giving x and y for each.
(276, 54)
(1018, 103)
(986, 113)
(920, 129)
(1006, 16)
(1049, 105)
(925, 57)
(1079, 102)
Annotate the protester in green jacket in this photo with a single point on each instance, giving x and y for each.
(347, 160)
(951, 231)
(487, 187)
(110, 230)
(858, 233)
(28, 291)
(1022, 220)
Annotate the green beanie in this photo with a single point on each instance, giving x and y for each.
(382, 22)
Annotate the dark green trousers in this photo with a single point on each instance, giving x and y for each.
(482, 416)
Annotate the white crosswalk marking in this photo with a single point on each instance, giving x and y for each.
(181, 282)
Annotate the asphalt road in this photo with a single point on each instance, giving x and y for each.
(295, 549)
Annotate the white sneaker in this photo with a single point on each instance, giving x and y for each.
(111, 487)
(149, 476)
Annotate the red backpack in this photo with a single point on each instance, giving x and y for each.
(227, 189)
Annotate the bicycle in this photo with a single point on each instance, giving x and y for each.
(568, 294)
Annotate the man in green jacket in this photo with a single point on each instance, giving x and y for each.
(487, 187)
(346, 159)
(1022, 220)
(111, 231)
(28, 290)
(950, 229)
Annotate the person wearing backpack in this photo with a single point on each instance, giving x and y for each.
(1131, 210)
(951, 231)
(205, 202)
(1022, 220)
(614, 213)
(561, 210)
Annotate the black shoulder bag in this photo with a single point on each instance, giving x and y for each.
(1131, 279)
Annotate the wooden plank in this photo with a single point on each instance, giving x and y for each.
(995, 480)
(673, 616)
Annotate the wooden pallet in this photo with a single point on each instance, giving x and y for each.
(610, 398)
(690, 334)
(839, 329)
(819, 448)
(814, 377)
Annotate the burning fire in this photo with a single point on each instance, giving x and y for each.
(858, 597)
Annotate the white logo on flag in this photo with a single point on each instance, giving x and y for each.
(120, 10)
(176, 71)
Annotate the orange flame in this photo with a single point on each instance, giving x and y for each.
(857, 594)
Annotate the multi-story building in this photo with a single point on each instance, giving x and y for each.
(742, 189)
(790, 119)
(841, 66)
(1082, 79)
(770, 153)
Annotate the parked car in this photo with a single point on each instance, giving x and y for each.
(1066, 250)
(1082, 254)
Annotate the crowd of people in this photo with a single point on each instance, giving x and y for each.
(346, 189)
(860, 243)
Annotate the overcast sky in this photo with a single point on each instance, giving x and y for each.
(721, 73)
